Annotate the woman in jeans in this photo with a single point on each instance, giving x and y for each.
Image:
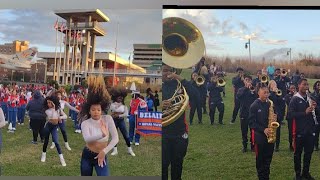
(54, 116)
(119, 112)
(96, 129)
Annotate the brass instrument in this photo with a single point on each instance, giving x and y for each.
(264, 78)
(183, 46)
(278, 92)
(199, 80)
(272, 124)
(252, 89)
(221, 82)
(284, 72)
(313, 112)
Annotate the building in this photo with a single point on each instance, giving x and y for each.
(14, 47)
(145, 54)
(104, 62)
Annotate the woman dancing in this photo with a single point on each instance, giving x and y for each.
(54, 116)
(96, 129)
(119, 112)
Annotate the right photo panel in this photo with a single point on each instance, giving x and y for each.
(240, 93)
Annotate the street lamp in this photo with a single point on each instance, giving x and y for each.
(246, 46)
(115, 57)
(290, 55)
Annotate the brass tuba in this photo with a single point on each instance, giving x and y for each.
(182, 47)
(221, 82)
(264, 78)
(272, 124)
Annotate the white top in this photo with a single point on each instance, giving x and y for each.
(53, 114)
(2, 119)
(64, 103)
(119, 108)
(91, 131)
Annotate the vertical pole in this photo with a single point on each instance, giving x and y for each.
(250, 50)
(115, 59)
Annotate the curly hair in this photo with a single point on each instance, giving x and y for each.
(97, 94)
(55, 101)
(117, 92)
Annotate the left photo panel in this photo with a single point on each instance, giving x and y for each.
(80, 92)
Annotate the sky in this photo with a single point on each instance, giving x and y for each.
(272, 32)
(36, 26)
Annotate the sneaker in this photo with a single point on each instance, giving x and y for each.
(34, 142)
(11, 131)
(115, 151)
(63, 162)
(22, 124)
(52, 145)
(14, 129)
(66, 144)
(43, 157)
(19, 123)
(131, 143)
(221, 123)
(137, 144)
(231, 122)
(130, 151)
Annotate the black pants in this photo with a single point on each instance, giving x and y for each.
(290, 131)
(244, 122)
(220, 106)
(316, 142)
(203, 98)
(264, 154)
(174, 150)
(37, 126)
(236, 108)
(303, 143)
(280, 117)
(192, 111)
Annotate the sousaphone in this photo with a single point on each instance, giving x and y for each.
(182, 47)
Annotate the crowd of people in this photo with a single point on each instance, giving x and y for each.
(46, 110)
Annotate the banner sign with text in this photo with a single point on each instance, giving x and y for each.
(149, 123)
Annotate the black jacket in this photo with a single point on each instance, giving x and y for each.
(246, 98)
(201, 89)
(237, 83)
(255, 81)
(35, 107)
(278, 102)
(288, 98)
(297, 111)
(214, 92)
(179, 127)
(196, 99)
(282, 83)
(258, 120)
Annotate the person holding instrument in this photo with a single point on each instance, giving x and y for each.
(301, 110)
(215, 100)
(237, 82)
(195, 105)
(259, 117)
(246, 95)
(316, 95)
(175, 135)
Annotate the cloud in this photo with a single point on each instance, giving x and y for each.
(36, 26)
(274, 41)
(275, 53)
(313, 39)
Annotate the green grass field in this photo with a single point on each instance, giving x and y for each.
(215, 152)
(21, 158)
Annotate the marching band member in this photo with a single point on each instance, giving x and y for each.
(215, 100)
(220, 74)
(257, 79)
(119, 112)
(174, 136)
(13, 102)
(54, 116)
(258, 122)
(22, 107)
(281, 80)
(247, 96)
(96, 129)
(195, 102)
(316, 95)
(280, 107)
(237, 83)
(304, 126)
(292, 90)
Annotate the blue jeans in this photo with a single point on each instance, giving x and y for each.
(4, 107)
(119, 123)
(62, 127)
(75, 121)
(13, 116)
(50, 128)
(132, 127)
(21, 113)
(88, 162)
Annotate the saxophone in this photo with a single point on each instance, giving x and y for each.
(272, 124)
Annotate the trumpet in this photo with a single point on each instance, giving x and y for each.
(199, 79)
(264, 78)
(278, 92)
(251, 88)
(284, 72)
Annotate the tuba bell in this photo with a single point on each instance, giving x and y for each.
(264, 78)
(221, 82)
(182, 47)
(284, 72)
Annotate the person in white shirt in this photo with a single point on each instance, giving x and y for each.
(96, 129)
(119, 112)
(62, 124)
(54, 116)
